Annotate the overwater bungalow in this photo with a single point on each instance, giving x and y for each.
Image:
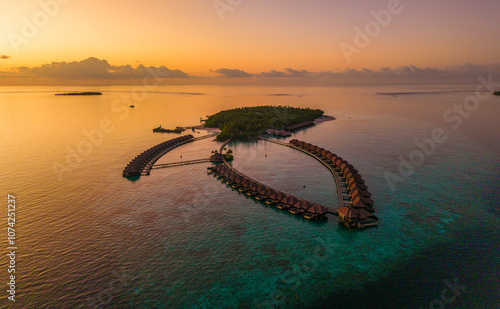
(269, 192)
(361, 186)
(359, 218)
(299, 126)
(357, 178)
(346, 169)
(338, 161)
(358, 204)
(316, 212)
(357, 191)
(300, 207)
(288, 202)
(276, 198)
(140, 162)
(367, 201)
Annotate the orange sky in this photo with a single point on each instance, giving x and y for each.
(254, 36)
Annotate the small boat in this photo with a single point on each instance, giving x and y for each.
(496, 93)
(132, 106)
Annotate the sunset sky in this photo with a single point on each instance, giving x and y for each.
(249, 37)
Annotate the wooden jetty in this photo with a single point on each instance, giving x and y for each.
(355, 204)
(339, 187)
(173, 164)
(141, 165)
(266, 194)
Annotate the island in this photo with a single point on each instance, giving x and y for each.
(177, 130)
(496, 93)
(247, 123)
(80, 93)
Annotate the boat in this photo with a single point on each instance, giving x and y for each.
(132, 106)
(496, 93)
(177, 130)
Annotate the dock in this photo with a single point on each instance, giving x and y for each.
(337, 177)
(142, 164)
(356, 206)
(174, 164)
(267, 195)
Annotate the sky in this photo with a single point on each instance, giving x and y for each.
(115, 41)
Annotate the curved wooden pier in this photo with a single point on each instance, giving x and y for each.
(359, 211)
(355, 203)
(142, 164)
(340, 191)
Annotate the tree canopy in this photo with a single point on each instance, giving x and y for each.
(249, 122)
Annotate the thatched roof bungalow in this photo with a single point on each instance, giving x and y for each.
(318, 209)
(269, 192)
(363, 193)
(352, 217)
(290, 200)
(351, 181)
(358, 179)
(358, 198)
(278, 196)
(303, 204)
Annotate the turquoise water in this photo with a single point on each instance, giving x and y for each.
(181, 239)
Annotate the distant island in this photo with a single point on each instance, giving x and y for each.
(80, 93)
(496, 93)
(247, 123)
(177, 130)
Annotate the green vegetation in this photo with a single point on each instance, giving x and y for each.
(228, 156)
(248, 123)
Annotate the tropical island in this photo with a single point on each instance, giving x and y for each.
(247, 123)
(80, 93)
(177, 130)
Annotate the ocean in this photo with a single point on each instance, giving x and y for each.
(86, 237)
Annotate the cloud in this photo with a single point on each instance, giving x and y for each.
(230, 73)
(463, 70)
(4, 57)
(93, 68)
(273, 73)
(287, 73)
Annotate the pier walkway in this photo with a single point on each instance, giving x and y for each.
(269, 195)
(339, 180)
(172, 164)
(356, 206)
(142, 164)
